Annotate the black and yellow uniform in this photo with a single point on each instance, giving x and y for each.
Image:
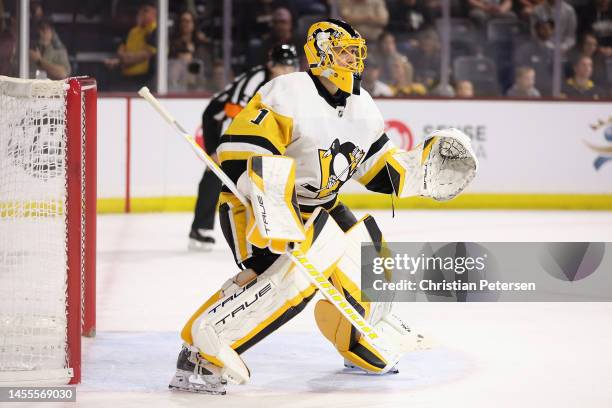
(222, 108)
(332, 138)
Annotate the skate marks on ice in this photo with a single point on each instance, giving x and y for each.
(284, 363)
(307, 363)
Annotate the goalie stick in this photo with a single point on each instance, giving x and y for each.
(390, 353)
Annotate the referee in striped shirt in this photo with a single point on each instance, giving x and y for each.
(223, 107)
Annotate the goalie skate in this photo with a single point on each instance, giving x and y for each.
(352, 367)
(194, 374)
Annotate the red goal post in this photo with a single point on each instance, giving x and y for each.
(47, 228)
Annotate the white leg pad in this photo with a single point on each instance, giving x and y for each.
(234, 369)
(400, 335)
(250, 304)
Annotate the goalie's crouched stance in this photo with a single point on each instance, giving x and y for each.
(252, 305)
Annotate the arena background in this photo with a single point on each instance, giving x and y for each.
(439, 63)
(533, 154)
(537, 154)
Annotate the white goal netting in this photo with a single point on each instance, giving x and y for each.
(33, 255)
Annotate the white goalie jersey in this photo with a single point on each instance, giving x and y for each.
(334, 138)
(331, 138)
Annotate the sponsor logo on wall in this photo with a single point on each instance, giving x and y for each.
(603, 128)
(198, 135)
(478, 134)
(399, 133)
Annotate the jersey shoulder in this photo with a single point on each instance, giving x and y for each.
(291, 81)
(283, 92)
(365, 107)
(364, 98)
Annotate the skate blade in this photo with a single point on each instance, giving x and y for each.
(198, 246)
(182, 383)
(196, 390)
(349, 368)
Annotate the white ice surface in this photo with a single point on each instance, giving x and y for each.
(486, 354)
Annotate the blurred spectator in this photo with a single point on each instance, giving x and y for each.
(524, 84)
(136, 55)
(310, 7)
(597, 18)
(483, 10)
(567, 21)
(409, 16)
(185, 36)
(37, 16)
(446, 91)
(185, 73)
(588, 46)
(464, 89)
(189, 58)
(526, 7)
(538, 54)
(216, 82)
(210, 18)
(402, 83)
(46, 59)
(386, 53)
(580, 84)
(368, 17)
(426, 58)
(8, 52)
(259, 16)
(8, 44)
(371, 80)
(540, 44)
(281, 33)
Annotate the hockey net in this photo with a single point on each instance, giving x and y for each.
(47, 228)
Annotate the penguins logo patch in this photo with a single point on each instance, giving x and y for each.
(338, 163)
(322, 44)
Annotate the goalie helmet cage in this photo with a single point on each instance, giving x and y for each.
(47, 228)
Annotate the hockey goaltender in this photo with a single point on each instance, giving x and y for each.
(294, 145)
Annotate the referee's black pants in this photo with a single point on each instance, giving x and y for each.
(206, 204)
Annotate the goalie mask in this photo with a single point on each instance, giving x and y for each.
(336, 51)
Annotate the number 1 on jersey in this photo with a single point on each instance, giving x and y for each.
(260, 117)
